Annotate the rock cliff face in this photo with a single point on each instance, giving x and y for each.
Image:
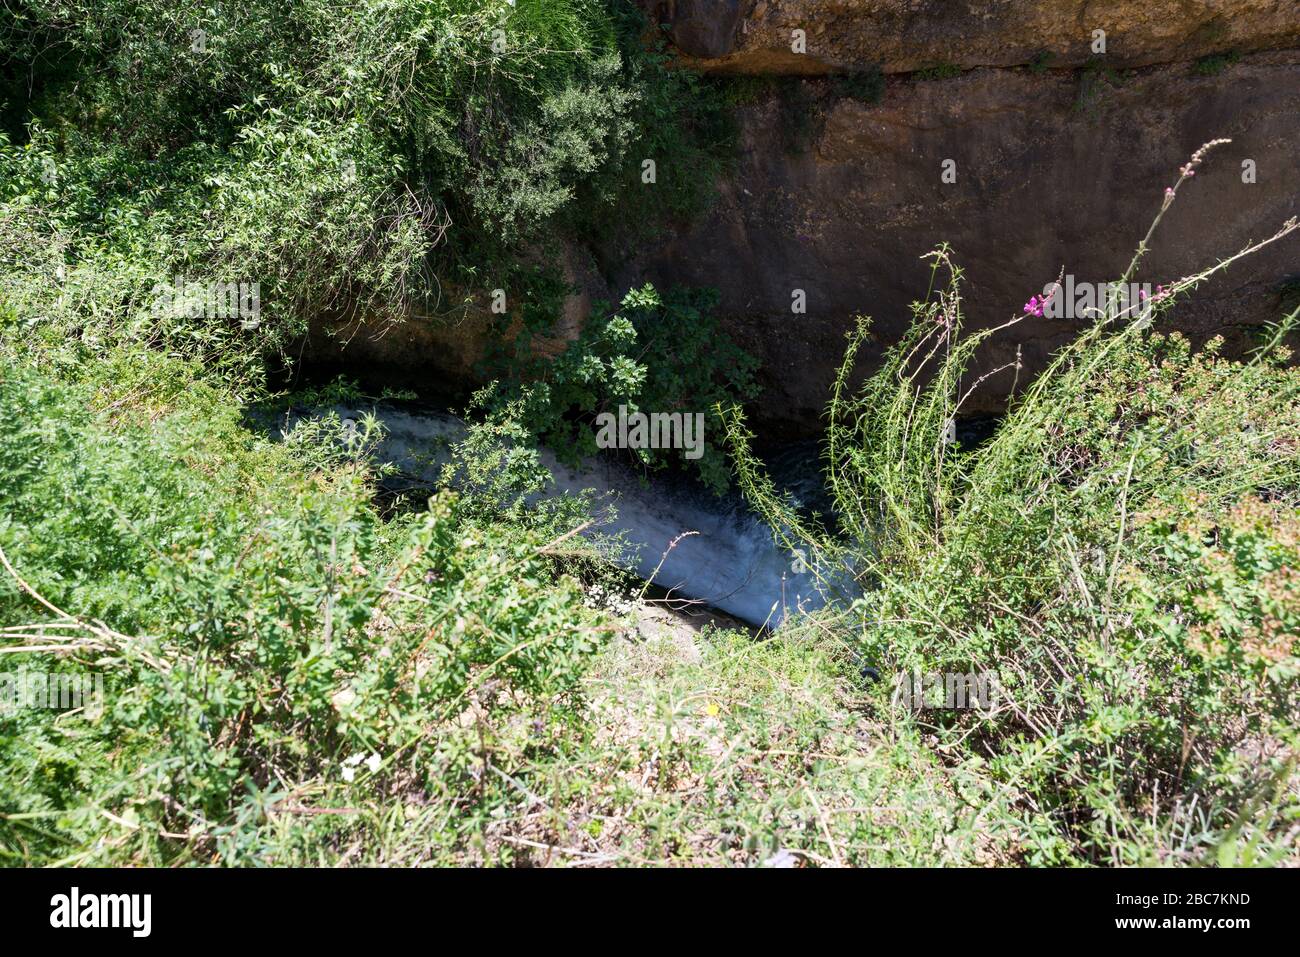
(1051, 175)
(758, 36)
(1050, 170)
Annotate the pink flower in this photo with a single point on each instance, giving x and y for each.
(1034, 307)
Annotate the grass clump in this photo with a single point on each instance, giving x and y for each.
(748, 89)
(1215, 63)
(745, 753)
(721, 751)
(1120, 556)
(1095, 78)
(938, 71)
(268, 646)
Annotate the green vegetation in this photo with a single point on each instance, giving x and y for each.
(1040, 62)
(302, 667)
(264, 628)
(1121, 554)
(655, 353)
(1095, 78)
(749, 753)
(380, 160)
(257, 623)
(749, 88)
(1215, 63)
(938, 71)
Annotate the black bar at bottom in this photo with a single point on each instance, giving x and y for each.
(523, 909)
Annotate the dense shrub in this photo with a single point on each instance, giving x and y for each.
(1121, 556)
(657, 353)
(259, 630)
(381, 159)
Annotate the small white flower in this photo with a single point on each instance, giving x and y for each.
(349, 774)
(373, 763)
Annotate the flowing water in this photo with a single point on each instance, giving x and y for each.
(731, 562)
(724, 555)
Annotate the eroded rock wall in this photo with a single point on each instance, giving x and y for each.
(758, 36)
(1051, 174)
